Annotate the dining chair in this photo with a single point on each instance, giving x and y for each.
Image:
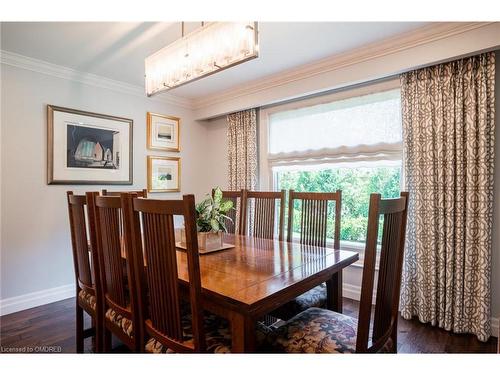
(262, 222)
(234, 225)
(315, 216)
(168, 325)
(140, 193)
(318, 330)
(121, 310)
(87, 274)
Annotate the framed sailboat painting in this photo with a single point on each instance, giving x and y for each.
(88, 148)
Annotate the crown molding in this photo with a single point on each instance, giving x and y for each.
(54, 70)
(421, 36)
(424, 35)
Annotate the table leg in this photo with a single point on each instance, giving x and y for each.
(242, 333)
(334, 292)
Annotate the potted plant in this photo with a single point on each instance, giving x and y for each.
(211, 221)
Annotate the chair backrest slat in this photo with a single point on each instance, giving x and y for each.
(162, 273)
(314, 217)
(82, 248)
(155, 259)
(111, 248)
(264, 213)
(139, 193)
(394, 212)
(387, 273)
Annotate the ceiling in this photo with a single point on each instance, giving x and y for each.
(116, 50)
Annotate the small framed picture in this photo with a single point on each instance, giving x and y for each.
(164, 174)
(163, 132)
(85, 148)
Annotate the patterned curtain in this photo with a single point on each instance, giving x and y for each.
(448, 135)
(242, 154)
(242, 150)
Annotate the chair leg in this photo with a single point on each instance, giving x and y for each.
(94, 341)
(394, 337)
(138, 347)
(107, 340)
(99, 337)
(79, 329)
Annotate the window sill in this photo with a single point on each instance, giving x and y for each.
(360, 249)
(360, 263)
(357, 248)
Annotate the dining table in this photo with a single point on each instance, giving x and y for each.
(256, 276)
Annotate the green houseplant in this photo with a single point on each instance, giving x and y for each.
(211, 212)
(211, 216)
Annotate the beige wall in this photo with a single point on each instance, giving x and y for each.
(35, 242)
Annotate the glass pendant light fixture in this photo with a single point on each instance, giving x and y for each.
(213, 47)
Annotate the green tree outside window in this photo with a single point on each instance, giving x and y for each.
(356, 184)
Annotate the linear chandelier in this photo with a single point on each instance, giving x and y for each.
(213, 47)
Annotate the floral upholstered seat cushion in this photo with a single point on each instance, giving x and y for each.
(87, 299)
(315, 297)
(315, 331)
(217, 335)
(121, 322)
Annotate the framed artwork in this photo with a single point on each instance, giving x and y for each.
(163, 132)
(85, 148)
(164, 174)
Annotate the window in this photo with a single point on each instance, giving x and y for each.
(353, 144)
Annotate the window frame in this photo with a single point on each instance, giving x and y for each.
(266, 177)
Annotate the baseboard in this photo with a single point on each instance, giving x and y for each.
(42, 297)
(354, 292)
(351, 291)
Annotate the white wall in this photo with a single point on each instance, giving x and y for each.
(216, 152)
(35, 241)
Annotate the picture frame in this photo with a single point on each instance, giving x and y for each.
(164, 174)
(87, 148)
(163, 132)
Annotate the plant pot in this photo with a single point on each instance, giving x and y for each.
(207, 241)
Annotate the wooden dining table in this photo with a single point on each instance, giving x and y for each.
(256, 276)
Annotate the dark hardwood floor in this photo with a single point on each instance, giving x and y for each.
(52, 328)
(416, 337)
